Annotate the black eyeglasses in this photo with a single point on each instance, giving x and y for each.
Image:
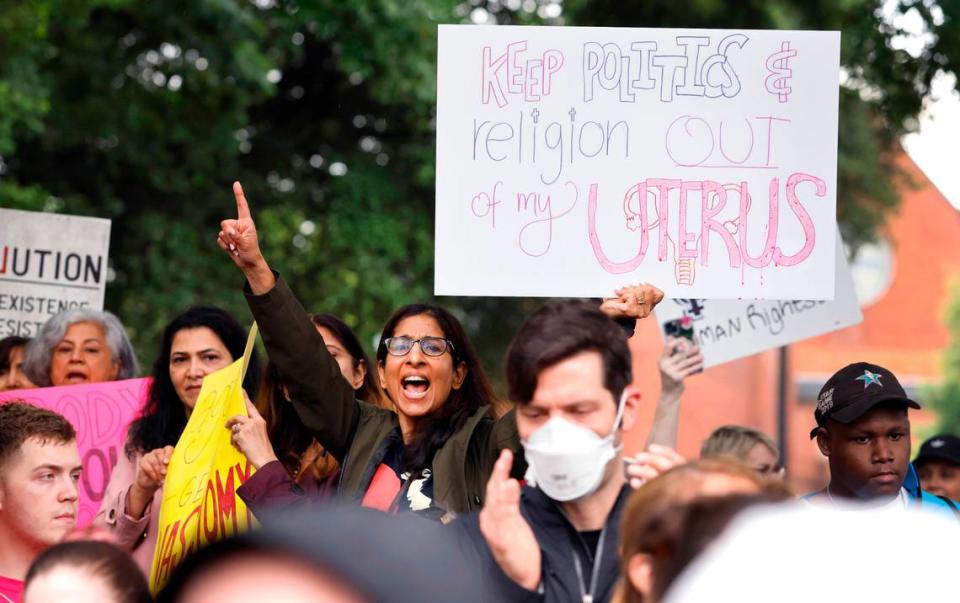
(431, 346)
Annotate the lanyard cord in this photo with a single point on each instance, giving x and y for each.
(587, 597)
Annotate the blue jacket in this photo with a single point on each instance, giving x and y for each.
(919, 498)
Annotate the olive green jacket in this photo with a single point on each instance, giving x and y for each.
(356, 432)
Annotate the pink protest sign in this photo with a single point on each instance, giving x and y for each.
(100, 412)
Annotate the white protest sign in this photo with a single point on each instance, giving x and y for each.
(49, 263)
(574, 160)
(731, 329)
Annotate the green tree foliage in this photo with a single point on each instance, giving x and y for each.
(945, 397)
(145, 112)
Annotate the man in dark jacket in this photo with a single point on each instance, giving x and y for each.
(557, 538)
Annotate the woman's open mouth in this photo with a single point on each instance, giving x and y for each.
(415, 386)
(76, 377)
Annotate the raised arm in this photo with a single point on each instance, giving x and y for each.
(679, 360)
(324, 401)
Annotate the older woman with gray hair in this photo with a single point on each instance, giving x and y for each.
(80, 346)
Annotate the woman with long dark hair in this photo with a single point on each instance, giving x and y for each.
(200, 341)
(435, 453)
(291, 466)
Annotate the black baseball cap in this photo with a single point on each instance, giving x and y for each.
(854, 390)
(943, 447)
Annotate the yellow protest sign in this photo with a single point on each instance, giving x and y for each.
(200, 502)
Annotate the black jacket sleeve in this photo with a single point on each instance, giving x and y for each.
(323, 399)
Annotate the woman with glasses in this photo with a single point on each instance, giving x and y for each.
(435, 454)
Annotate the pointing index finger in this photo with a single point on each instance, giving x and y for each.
(243, 209)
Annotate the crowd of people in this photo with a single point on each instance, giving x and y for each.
(402, 477)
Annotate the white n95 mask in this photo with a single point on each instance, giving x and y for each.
(566, 460)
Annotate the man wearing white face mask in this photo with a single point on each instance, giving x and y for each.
(556, 539)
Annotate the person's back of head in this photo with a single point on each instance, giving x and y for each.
(331, 553)
(85, 570)
(804, 553)
(671, 539)
(39, 472)
(655, 504)
(697, 525)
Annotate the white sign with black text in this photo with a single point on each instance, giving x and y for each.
(49, 263)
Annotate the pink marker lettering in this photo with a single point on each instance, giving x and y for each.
(515, 72)
(709, 224)
(684, 237)
(808, 230)
(663, 186)
(639, 191)
(490, 78)
(772, 225)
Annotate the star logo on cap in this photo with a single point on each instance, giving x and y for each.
(869, 379)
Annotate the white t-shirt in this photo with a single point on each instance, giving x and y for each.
(896, 505)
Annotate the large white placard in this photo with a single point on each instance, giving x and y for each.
(574, 160)
(731, 329)
(49, 263)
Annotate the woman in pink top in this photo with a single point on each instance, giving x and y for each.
(200, 341)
